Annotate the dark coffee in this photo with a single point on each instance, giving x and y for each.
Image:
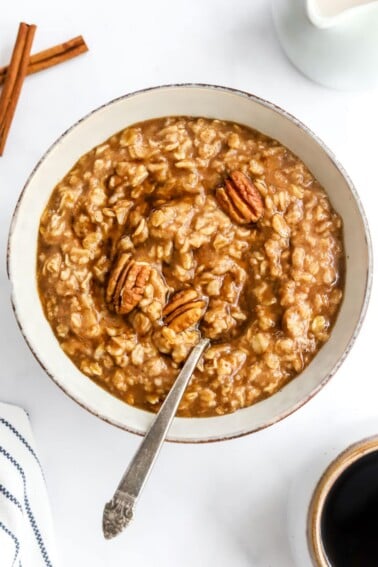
(349, 524)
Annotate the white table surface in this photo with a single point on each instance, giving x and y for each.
(222, 504)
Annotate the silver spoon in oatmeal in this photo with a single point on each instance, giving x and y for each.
(184, 309)
(119, 511)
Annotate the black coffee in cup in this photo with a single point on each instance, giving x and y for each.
(349, 523)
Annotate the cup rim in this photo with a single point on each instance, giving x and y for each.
(332, 473)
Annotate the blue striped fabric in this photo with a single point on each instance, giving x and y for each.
(29, 512)
(25, 522)
(14, 539)
(10, 497)
(20, 438)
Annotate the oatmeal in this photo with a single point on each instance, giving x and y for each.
(178, 227)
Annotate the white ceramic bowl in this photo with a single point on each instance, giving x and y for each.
(193, 100)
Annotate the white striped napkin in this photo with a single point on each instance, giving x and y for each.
(26, 538)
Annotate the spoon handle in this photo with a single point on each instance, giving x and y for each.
(119, 511)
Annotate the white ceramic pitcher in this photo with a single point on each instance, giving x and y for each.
(334, 42)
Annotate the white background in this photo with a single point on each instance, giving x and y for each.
(210, 505)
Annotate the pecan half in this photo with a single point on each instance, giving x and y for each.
(240, 199)
(126, 284)
(184, 310)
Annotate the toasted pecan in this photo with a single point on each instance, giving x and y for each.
(126, 284)
(184, 310)
(240, 199)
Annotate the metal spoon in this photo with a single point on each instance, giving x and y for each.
(118, 513)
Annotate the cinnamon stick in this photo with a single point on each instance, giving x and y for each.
(14, 79)
(52, 56)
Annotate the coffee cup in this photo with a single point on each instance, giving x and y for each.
(342, 517)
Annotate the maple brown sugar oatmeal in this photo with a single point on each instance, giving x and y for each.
(180, 226)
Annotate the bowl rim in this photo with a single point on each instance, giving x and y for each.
(275, 108)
